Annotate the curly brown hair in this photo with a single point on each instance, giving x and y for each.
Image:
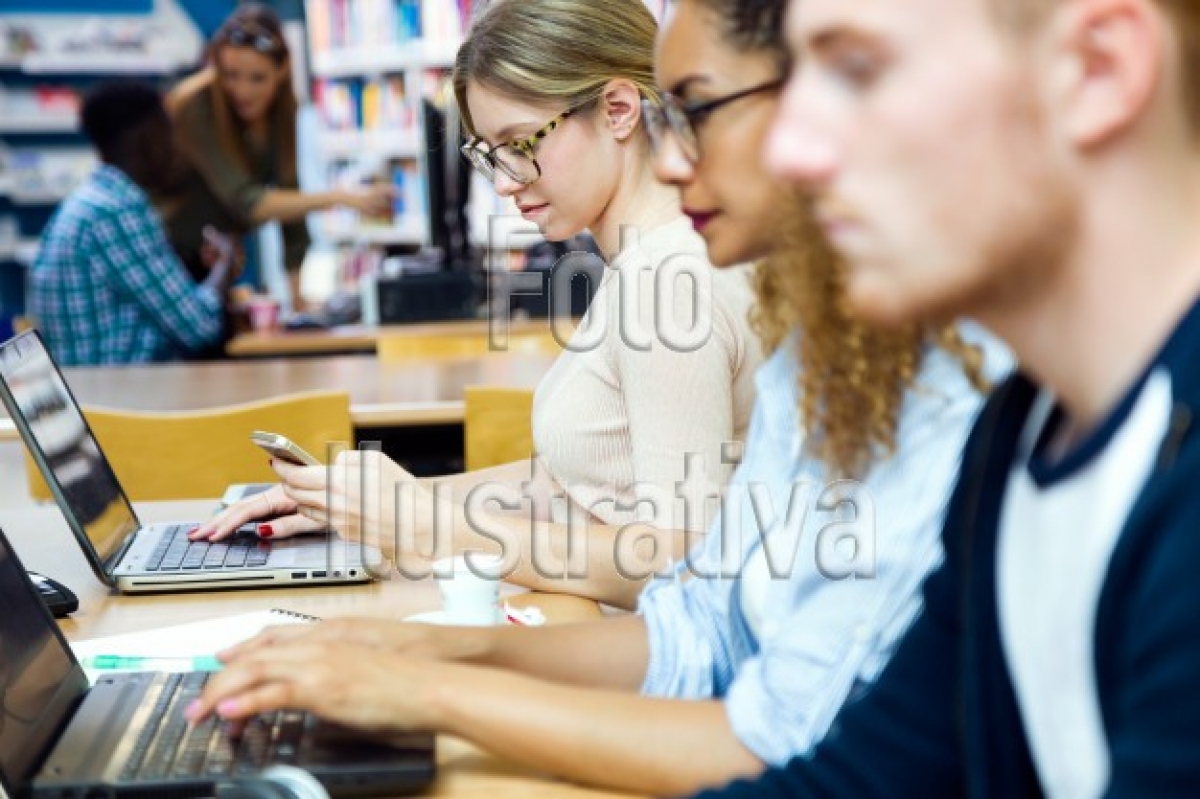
(853, 377)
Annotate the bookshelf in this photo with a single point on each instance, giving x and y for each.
(31, 176)
(20, 250)
(50, 53)
(417, 54)
(373, 63)
(399, 144)
(14, 124)
(140, 64)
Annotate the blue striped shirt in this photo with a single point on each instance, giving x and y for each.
(107, 287)
(785, 671)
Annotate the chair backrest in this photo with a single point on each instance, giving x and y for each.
(399, 346)
(196, 454)
(497, 425)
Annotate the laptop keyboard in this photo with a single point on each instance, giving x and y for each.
(175, 552)
(169, 749)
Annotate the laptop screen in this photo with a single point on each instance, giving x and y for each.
(54, 428)
(39, 683)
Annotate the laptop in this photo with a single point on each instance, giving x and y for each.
(124, 553)
(126, 735)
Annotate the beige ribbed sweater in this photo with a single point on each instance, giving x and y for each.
(625, 403)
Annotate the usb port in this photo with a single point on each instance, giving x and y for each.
(319, 574)
(298, 575)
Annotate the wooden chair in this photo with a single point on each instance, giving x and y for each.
(402, 346)
(196, 454)
(497, 425)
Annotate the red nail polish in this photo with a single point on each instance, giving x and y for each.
(265, 531)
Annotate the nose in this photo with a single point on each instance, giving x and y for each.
(504, 185)
(242, 96)
(798, 149)
(671, 166)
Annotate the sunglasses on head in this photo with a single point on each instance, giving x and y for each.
(261, 41)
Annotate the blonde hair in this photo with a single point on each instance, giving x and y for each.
(557, 51)
(853, 377)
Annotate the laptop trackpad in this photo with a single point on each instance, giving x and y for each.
(311, 551)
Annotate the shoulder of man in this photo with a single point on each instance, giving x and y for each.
(1169, 501)
(1165, 517)
(105, 194)
(1147, 652)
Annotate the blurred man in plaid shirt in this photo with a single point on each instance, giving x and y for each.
(106, 286)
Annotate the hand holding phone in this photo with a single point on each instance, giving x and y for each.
(283, 448)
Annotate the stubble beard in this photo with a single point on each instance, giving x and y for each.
(1033, 231)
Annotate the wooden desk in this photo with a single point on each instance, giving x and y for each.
(395, 394)
(344, 339)
(44, 544)
(357, 338)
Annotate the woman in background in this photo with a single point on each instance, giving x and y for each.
(235, 123)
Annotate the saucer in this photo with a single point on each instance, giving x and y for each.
(438, 617)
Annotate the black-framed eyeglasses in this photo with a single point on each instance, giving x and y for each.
(260, 40)
(515, 158)
(683, 119)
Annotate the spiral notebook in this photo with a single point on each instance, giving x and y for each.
(195, 639)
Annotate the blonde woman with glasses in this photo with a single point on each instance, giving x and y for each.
(634, 425)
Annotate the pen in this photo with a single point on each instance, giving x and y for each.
(137, 663)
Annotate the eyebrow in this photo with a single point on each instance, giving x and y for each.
(508, 133)
(824, 39)
(682, 86)
(830, 38)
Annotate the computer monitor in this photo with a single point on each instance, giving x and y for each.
(449, 180)
(454, 290)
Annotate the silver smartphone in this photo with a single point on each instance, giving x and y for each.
(283, 448)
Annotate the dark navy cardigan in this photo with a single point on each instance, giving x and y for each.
(942, 720)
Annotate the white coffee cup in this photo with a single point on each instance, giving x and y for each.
(470, 588)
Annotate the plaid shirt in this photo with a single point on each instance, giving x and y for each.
(107, 287)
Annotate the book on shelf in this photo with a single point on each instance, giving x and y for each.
(380, 24)
(411, 192)
(355, 104)
(57, 106)
(44, 174)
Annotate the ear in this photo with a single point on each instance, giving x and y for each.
(621, 103)
(1114, 52)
